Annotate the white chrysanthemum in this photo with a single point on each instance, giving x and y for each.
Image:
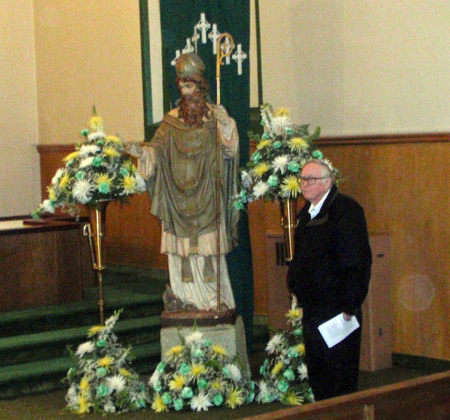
(88, 149)
(280, 163)
(200, 402)
(47, 206)
(83, 348)
(86, 162)
(116, 383)
(72, 395)
(96, 136)
(82, 190)
(246, 179)
(274, 343)
(235, 372)
(303, 371)
(328, 163)
(194, 338)
(56, 177)
(260, 189)
(140, 183)
(111, 321)
(109, 407)
(153, 381)
(280, 123)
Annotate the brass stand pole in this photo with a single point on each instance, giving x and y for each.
(221, 54)
(95, 231)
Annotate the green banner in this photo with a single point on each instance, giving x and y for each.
(193, 26)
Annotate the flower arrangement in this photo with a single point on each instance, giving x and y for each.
(197, 375)
(102, 381)
(285, 375)
(97, 170)
(274, 168)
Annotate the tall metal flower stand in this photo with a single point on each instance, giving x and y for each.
(95, 230)
(288, 209)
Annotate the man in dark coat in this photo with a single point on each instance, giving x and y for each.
(330, 275)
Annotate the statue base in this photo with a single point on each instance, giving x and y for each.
(223, 328)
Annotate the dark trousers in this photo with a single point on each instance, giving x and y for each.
(332, 371)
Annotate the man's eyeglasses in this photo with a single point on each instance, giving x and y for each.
(311, 180)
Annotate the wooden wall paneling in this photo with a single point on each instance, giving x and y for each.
(403, 192)
(133, 235)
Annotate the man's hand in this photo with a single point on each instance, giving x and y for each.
(347, 317)
(134, 149)
(221, 114)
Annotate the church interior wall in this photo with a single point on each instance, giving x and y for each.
(354, 68)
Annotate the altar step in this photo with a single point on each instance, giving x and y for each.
(33, 342)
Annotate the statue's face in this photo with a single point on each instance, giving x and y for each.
(187, 88)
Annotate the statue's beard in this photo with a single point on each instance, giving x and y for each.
(192, 108)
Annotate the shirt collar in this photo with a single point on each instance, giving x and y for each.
(315, 209)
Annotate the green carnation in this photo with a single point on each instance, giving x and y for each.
(218, 400)
(102, 390)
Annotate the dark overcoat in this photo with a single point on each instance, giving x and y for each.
(330, 271)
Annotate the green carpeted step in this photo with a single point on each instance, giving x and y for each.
(47, 375)
(48, 318)
(53, 344)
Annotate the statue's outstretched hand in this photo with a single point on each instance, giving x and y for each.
(221, 114)
(134, 149)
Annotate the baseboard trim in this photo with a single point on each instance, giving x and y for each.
(410, 361)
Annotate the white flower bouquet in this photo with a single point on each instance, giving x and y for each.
(102, 380)
(197, 375)
(98, 169)
(274, 168)
(284, 372)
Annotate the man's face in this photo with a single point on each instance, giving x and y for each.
(314, 183)
(187, 88)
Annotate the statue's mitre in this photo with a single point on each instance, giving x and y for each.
(189, 65)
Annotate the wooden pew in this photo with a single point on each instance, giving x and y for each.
(426, 398)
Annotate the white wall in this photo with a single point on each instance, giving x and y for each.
(19, 164)
(359, 67)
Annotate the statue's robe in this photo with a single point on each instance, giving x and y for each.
(179, 165)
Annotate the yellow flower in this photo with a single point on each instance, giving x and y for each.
(96, 123)
(277, 368)
(51, 194)
(64, 180)
(282, 112)
(175, 351)
(235, 398)
(217, 385)
(301, 348)
(197, 369)
(103, 178)
(111, 151)
(177, 383)
(129, 183)
(124, 372)
(291, 186)
(158, 404)
(219, 350)
(84, 405)
(298, 143)
(113, 139)
(292, 398)
(71, 156)
(84, 385)
(105, 361)
(295, 313)
(262, 144)
(261, 168)
(95, 330)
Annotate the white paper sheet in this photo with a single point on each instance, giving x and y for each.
(337, 329)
